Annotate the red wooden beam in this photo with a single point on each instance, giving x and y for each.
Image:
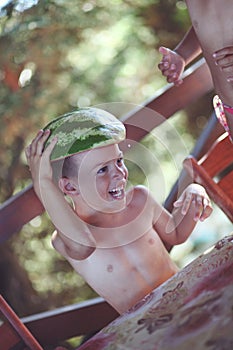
(82, 318)
(18, 326)
(17, 211)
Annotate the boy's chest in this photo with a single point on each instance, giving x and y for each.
(128, 229)
(124, 262)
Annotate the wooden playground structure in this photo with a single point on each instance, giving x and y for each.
(48, 328)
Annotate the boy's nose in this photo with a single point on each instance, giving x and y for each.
(118, 171)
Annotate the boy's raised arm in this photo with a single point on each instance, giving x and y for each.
(72, 230)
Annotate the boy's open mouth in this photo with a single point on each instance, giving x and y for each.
(117, 193)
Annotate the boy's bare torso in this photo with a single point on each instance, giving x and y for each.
(130, 260)
(212, 21)
(112, 237)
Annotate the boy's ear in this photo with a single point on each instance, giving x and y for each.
(68, 186)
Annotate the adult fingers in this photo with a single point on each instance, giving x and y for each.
(165, 52)
(226, 62)
(223, 52)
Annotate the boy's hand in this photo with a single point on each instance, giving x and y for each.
(224, 59)
(39, 159)
(172, 65)
(195, 194)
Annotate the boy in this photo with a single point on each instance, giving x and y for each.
(211, 34)
(113, 237)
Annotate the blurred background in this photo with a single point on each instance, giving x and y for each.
(56, 56)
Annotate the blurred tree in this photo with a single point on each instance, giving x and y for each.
(59, 55)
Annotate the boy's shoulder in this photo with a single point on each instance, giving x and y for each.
(140, 193)
(143, 196)
(139, 189)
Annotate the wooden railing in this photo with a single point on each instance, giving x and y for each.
(91, 316)
(82, 318)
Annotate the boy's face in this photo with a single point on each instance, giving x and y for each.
(102, 178)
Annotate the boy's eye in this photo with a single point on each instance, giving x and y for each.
(102, 170)
(120, 161)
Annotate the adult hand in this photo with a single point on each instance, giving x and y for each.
(172, 65)
(224, 59)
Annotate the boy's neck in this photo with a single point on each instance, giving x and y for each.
(97, 218)
(103, 219)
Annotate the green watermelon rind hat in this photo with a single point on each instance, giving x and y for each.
(84, 129)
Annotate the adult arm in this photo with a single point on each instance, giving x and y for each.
(174, 61)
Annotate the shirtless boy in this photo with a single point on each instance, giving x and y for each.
(211, 34)
(113, 237)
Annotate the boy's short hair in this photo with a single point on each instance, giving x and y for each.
(84, 129)
(67, 167)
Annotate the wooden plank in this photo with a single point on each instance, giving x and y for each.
(9, 338)
(17, 211)
(18, 326)
(74, 320)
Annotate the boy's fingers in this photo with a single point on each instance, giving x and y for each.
(47, 152)
(199, 208)
(37, 145)
(186, 204)
(179, 201)
(206, 213)
(41, 142)
(204, 208)
(200, 202)
(34, 144)
(27, 151)
(207, 209)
